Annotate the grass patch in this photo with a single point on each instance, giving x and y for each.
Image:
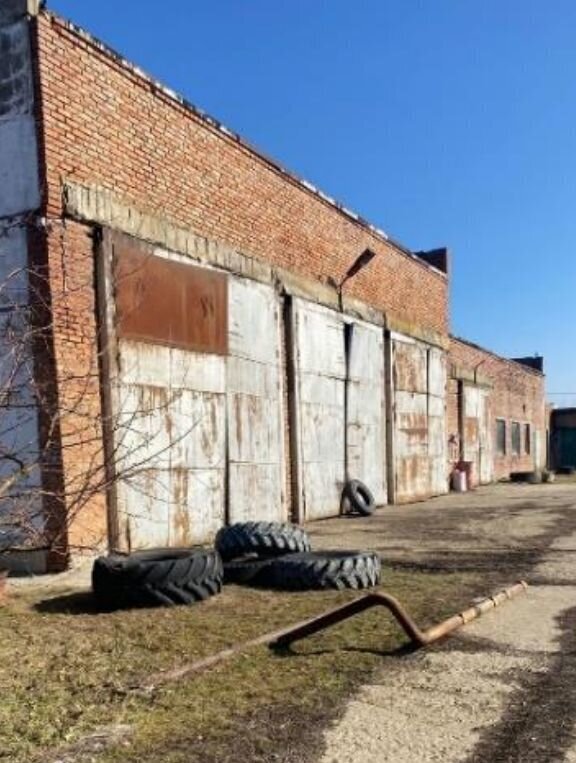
(66, 670)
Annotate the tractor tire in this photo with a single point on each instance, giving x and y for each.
(323, 570)
(359, 498)
(246, 571)
(262, 538)
(159, 577)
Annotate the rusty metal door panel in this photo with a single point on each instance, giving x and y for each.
(144, 364)
(144, 507)
(323, 487)
(365, 410)
(321, 345)
(419, 419)
(412, 478)
(410, 371)
(167, 428)
(323, 427)
(170, 452)
(141, 436)
(472, 401)
(255, 404)
(164, 302)
(411, 419)
(437, 372)
(254, 430)
(320, 370)
(195, 423)
(256, 482)
(171, 507)
(486, 441)
(197, 504)
(437, 433)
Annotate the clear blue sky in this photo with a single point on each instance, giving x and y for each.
(444, 122)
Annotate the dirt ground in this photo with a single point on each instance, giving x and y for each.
(503, 688)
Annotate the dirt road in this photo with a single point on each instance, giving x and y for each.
(502, 689)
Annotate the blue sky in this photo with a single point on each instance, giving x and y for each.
(444, 122)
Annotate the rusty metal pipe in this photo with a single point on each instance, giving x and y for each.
(286, 636)
(418, 637)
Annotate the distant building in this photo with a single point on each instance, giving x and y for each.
(563, 438)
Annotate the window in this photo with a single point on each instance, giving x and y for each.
(527, 439)
(516, 437)
(500, 437)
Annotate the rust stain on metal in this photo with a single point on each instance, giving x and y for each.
(471, 427)
(170, 303)
(409, 368)
(181, 511)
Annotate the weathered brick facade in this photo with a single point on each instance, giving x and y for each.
(516, 394)
(105, 125)
(117, 151)
(108, 126)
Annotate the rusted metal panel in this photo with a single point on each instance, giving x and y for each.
(437, 372)
(175, 304)
(255, 404)
(437, 425)
(410, 366)
(320, 371)
(419, 419)
(365, 410)
(477, 435)
(166, 404)
(170, 445)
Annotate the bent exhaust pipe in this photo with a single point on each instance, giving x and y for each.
(286, 636)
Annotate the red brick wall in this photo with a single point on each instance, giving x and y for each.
(107, 126)
(75, 347)
(102, 124)
(517, 395)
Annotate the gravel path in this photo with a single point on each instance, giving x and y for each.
(503, 688)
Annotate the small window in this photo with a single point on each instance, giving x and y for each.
(516, 437)
(500, 437)
(527, 439)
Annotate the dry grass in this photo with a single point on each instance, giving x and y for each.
(66, 670)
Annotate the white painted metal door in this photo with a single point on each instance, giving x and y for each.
(410, 428)
(419, 421)
(255, 403)
(486, 455)
(366, 453)
(320, 370)
(477, 435)
(169, 442)
(437, 438)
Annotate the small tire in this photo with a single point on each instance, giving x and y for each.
(323, 570)
(359, 498)
(158, 577)
(261, 538)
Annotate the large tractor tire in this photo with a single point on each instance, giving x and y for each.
(264, 539)
(323, 570)
(160, 577)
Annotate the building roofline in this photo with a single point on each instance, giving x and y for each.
(493, 354)
(176, 99)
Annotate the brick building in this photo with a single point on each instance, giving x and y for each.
(202, 336)
(495, 411)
